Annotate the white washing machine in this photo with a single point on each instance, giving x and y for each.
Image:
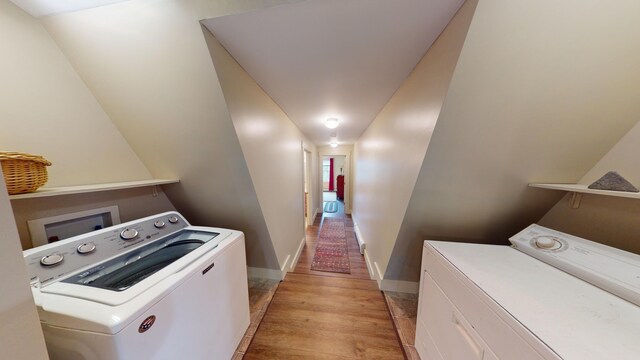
(154, 288)
(551, 296)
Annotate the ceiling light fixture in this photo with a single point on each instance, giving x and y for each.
(334, 144)
(331, 123)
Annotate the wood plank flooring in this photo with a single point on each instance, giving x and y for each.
(324, 315)
(315, 317)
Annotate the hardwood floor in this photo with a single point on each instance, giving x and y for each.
(316, 317)
(324, 315)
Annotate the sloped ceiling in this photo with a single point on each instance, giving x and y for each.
(39, 8)
(333, 58)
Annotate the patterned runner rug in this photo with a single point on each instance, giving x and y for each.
(331, 251)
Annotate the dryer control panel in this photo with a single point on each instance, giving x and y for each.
(608, 268)
(50, 262)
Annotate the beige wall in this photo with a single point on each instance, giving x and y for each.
(273, 149)
(20, 333)
(621, 158)
(389, 154)
(542, 90)
(609, 220)
(46, 109)
(149, 66)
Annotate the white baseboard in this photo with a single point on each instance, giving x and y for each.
(367, 261)
(410, 287)
(263, 273)
(298, 252)
(375, 273)
(378, 274)
(359, 237)
(313, 218)
(284, 267)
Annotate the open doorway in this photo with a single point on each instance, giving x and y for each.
(308, 194)
(333, 184)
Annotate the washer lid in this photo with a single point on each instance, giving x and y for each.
(126, 276)
(120, 275)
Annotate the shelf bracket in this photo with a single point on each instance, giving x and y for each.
(576, 197)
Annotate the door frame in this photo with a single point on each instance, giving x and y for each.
(338, 151)
(308, 180)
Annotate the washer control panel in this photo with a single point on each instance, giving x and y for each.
(49, 262)
(608, 268)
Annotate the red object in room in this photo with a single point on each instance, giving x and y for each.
(330, 174)
(340, 187)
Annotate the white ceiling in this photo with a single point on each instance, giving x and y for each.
(333, 58)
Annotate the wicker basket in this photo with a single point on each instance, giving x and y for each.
(23, 173)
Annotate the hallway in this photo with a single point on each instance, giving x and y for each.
(357, 263)
(325, 315)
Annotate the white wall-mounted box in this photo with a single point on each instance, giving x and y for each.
(47, 230)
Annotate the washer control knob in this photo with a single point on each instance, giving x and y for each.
(128, 234)
(86, 248)
(159, 224)
(545, 242)
(173, 219)
(52, 259)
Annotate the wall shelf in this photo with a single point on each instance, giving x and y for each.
(79, 189)
(583, 188)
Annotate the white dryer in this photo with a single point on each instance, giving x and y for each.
(550, 296)
(154, 288)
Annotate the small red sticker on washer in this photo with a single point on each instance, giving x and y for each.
(147, 324)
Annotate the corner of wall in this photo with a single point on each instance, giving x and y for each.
(391, 152)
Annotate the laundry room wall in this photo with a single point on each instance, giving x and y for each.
(390, 152)
(541, 91)
(608, 220)
(46, 109)
(149, 66)
(20, 333)
(272, 146)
